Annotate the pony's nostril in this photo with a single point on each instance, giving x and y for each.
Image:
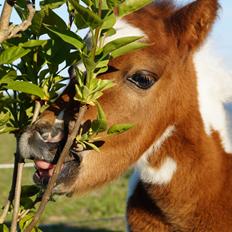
(55, 132)
(45, 136)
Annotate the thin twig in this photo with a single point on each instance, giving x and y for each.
(17, 197)
(20, 166)
(53, 179)
(36, 111)
(5, 211)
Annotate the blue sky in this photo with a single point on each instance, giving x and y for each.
(221, 34)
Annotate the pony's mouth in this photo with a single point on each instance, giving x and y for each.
(45, 169)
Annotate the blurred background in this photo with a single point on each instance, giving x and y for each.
(102, 210)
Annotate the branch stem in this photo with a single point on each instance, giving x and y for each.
(17, 186)
(8, 31)
(36, 111)
(17, 197)
(52, 181)
(4, 21)
(5, 16)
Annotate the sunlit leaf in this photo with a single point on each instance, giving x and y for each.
(25, 221)
(109, 22)
(26, 87)
(33, 43)
(88, 16)
(4, 117)
(68, 36)
(119, 128)
(11, 54)
(129, 48)
(10, 76)
(119, 43)
(4, 228)
(100, 124)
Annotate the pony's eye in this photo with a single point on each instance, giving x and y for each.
(143, 79)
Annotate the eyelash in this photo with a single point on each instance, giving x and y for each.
(143, 79)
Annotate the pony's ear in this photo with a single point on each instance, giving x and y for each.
(192, 23)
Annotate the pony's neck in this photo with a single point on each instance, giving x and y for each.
(192, 164)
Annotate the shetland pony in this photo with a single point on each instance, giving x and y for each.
(176, 95)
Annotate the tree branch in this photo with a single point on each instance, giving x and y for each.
(56, 172)
(16, 180)
(17, 196)
(20, 166)
(8, 31)
(13, 32)
(5, 21)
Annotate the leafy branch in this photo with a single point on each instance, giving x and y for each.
(30, 74)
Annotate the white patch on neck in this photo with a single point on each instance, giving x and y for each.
(214, 94)
(159, 176)
(162, 175)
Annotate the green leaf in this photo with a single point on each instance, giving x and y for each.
(24, 222)
(129, 48)
(37, 21)
(118, 43)
(119, 128)
(54, 20)
(11, 54)
(29, 190)
(33, 43)
(10, 76)
(4, 117)
(4, 228)
(52, 4)
(7, 130)
(88, 16)
(68, 36)
(109, 22)
(103, 85)
(26, 202)
(130, 6)
(100, 124)
(26, 87)
(88, 63)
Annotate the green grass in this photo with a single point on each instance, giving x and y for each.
(102, 210)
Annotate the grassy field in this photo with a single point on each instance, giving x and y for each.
(100, 211)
